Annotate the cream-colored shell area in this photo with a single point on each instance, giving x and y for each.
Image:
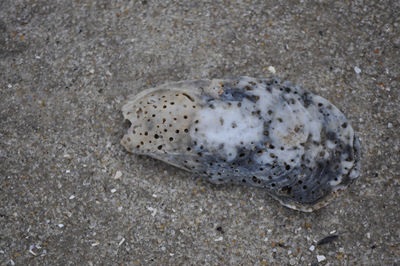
(161, 120)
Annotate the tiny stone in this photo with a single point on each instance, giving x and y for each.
(60, 225)
(9, 86)
(67, 171)
(152, 210)
(312, 248)
(368, 235)
(357, 70)
(321, 258)
(272, 69)
(113, 190)
(118, 175)
(219, 239)
(389, 125)
(72, 197)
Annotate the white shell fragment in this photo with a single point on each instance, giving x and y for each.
(296, 145)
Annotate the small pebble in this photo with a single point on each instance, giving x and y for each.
(60, 225)
(67, 171)
(357, 70)
(327, 240)
(121, 242)
(312, 248)
(113, 190)
(72, 197)
(389, 125)
(321, 258)
(272, 69)
(219, 239)
(152, 210)
(118, 175)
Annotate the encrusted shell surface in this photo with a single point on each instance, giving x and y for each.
(264, 133)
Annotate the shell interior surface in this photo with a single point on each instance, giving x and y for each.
(296, 145)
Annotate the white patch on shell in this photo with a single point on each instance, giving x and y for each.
(225, 128)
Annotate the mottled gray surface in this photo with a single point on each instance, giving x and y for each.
(67, 66)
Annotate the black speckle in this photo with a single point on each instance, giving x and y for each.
(331, 136)
(327, 240)
(238, 95)
(219, 229)
(286, 190)
(307, 99)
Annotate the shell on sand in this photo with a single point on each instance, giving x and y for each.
(263, 133)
